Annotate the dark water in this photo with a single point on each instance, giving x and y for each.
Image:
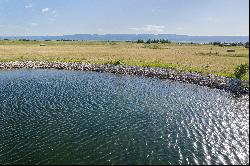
(67, 117)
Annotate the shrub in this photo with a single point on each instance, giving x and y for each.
(241, 70)
(218, 44)
(148, 41)
(140, 41)
(165, 41)
(247, 45)
(118, 62)
(24, 40)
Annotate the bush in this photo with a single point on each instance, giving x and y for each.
(241, 70)
(247, 45)
(140, 41)
(217, 43)
(24, 40)
(118, 62)
(149, 41)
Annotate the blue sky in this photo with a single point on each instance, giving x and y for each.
(58, 17)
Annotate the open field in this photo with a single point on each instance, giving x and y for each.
(206, 59)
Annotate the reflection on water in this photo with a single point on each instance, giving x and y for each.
(70, 117)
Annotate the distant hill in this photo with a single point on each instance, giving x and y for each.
(134, 37)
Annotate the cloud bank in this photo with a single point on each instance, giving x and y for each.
(149, 29)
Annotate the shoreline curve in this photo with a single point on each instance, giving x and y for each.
(228, 84)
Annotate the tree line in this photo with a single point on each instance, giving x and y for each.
(229, 44)
(149, 41)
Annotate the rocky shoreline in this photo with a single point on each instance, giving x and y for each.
(227, 84)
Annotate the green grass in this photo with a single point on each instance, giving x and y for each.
(205, 59)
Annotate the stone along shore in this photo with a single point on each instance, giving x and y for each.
(228, 84)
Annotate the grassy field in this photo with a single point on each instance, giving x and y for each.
(206, 59)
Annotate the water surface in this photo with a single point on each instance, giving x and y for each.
(71, 117)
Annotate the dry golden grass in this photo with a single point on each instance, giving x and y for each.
(199, 58)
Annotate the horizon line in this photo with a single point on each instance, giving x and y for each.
(128, 34)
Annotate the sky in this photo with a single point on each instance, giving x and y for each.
(184, 17)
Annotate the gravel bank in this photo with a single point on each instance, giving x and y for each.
(228, 84)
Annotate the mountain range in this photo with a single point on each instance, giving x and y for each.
(134, 37)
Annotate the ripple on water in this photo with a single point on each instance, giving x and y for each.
(70, 117)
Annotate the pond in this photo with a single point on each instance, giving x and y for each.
(74, 117)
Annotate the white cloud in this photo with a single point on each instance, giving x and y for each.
(51, 13)
(46, 10)
(33, 24)
(28, 6)
(150, 28)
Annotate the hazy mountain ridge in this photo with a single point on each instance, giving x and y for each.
(134, 37)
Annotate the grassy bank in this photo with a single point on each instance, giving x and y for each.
(206, 59)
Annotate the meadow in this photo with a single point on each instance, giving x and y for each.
(200, 58)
